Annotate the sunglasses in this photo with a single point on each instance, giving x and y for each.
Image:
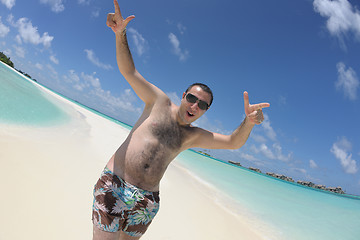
(193, 99)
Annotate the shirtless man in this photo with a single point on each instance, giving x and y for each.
(126, 197)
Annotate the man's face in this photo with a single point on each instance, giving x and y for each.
(189, 112)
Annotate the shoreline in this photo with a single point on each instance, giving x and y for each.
(49, 174)
(207, 219)
(44, 177)
(75, 103)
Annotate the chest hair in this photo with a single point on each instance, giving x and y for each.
(169, 134)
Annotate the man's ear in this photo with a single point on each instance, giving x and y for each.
(184, 94)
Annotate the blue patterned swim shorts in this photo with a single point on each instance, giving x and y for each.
(119, 205)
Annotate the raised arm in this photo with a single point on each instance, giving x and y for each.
(146, 91)
(238, 138)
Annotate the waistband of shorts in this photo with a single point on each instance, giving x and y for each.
(129, 185)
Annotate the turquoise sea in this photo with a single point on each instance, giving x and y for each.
(277, 209)
(22, 102)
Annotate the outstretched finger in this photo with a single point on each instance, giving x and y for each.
(246, 99)
(117, 8)
(129, 18)
(261, 105)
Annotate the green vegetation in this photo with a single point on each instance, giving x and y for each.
(203, 153)
(25, 74)
(6, 59)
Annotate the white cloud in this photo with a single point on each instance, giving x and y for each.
(282, 100)
(263, 149)
(312, 164)
(18, 39)
(29, 33)
(249, 157)
(53, 72)
(95, 13)
(252, 159)
(85, 2)
(124, 102)
(56, 5)
(301, 170)
(258, 138)
(8, 3)
(341, 18)
(82, 81)
(10, 20)
(341, 149)
(269, 131)
(91, 80)
(272, 153)
(181, 28)
(279, 155)
(90, 85)
(266, 125)
(4, 30)
(54, 59)
(182, 54)
(74, 79)
(266, 151)
(347, 81)
(19, 51)
(39, 66)
(174, 98)
(7, 52)
(92, 58)
(139, 41)
(205, 123)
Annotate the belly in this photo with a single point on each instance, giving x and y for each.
(142, 165)
(146, 153)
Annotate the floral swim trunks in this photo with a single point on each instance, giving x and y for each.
(119, 205)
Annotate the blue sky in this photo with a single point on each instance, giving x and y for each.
(301, 56)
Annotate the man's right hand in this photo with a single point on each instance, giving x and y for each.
(116, 22)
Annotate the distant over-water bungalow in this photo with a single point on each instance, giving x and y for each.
(337, 190)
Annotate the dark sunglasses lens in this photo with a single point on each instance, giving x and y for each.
(203, 105)
(191, 98)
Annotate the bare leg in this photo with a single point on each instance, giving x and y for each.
(102, 235)
(124, 236)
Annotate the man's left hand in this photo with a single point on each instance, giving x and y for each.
(254, 111)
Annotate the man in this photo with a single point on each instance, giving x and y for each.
(126, 197)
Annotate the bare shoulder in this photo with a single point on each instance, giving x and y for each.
(197, 136)
(160, 103)
(201, 133)
(211, 140)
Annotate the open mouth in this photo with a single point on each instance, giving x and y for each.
(190, 114)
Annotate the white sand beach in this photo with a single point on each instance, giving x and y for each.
(47, 177)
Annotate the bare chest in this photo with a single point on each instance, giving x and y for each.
(162, 141)
(149, 149)
(167, 133)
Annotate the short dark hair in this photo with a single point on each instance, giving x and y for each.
(205, 88)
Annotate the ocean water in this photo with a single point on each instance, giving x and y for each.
(277, 209)
(274, 208)
(23, 102)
